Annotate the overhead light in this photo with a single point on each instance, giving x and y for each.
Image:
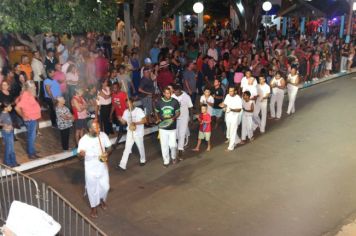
(198, 7)
(267, 5)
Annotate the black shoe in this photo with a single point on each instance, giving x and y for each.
(142, 164)
(180, 153)
(120, 169)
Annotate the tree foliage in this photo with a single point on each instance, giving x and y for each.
(59, 16)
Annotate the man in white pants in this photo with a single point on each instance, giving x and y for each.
(92, 147)
(292, 88)
(264, 91)
(135, 119)
(167, 111)
(233, 106)
(183, 120)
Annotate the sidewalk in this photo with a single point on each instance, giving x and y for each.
(49, 147)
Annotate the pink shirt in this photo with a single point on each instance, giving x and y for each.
(31, 109)
(61, 79)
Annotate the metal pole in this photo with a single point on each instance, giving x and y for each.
(342, 26)
(284, 27)
(127, 24)
(200, 23)
(302, 26)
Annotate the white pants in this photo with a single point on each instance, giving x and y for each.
(246, 130)
(260, 121)
(96, 182)
(168, 142)
(130, 140)
(232, 123)
(182, 129)
(277, 98)
(343, 64)
(292, 95)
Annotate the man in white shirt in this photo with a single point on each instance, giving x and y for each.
(233, 106)
(38, 72)
(246, 79)
(62, 53)
(261, 104)
(183, 120)
(213, 52)
(95, 147)
(135, 119)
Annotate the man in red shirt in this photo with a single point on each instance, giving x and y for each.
(101, 67)
(165, 76)
(118, 101)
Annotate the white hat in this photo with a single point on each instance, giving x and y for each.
(148, 61)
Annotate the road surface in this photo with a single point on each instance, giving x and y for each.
(298, 179)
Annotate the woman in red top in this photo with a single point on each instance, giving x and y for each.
(80, 114)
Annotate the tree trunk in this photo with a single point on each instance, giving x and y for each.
(33, 42)
(32, 45)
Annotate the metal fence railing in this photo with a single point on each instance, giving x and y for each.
(15, 185)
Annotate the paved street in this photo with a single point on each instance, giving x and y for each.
(298, 179)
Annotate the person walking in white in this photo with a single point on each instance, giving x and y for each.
(278, 85)
(248, 81)
(248, 108)
(95, 147)
(183, 120)
(232, 105)
(264, 91)
(292, 87)
(135, 119)
(167, 111)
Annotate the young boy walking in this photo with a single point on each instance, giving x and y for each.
(248, 107)
(204, 129)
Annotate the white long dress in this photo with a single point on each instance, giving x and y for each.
(96, 172)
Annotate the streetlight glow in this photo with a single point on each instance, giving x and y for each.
(198, 7)
(267, 5)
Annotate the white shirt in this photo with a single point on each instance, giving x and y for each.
(185, 103)
(244, 83)
(102, 100)
(234, 102)
(263, 90)
(92, 149)
(38, 69)
(64, 56)
(276, 82)
(247, 106)
(204, 100)
(213, 53)
(136, 115)
(252, 89)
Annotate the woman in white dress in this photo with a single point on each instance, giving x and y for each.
(292, 87)
(278, 85)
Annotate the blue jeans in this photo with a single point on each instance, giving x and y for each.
(31, 126)
(8, 139)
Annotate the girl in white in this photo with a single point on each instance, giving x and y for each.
(233, 106)
(292, 87)
(135, 119)
(207, 99)
(261, 104)
(278, 85)
(248, 107)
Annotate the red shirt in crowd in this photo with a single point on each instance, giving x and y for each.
(205, 122)
(101, 67)
(118, 100)
(164, 78)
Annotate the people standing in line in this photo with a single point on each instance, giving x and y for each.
(134, 118)
(218, 95)
(30, 111)
(118, 101)
(207, 99)
(278, 85)
(39, 73)
(167, 111)
(52, 92)
(95, 148)
(183, 120)
(105, 106)
(7, 133)
(233, 106)
(64, 121)
(80, 114)
(146, 92)
(292, 88)
(248, 108)
(204, 128)
(264, 91)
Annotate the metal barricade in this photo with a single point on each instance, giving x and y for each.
(15, 185)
